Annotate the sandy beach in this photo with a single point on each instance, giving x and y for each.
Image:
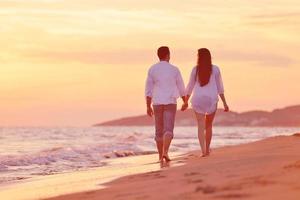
(80, 181)
(94, 93)
(267, 169)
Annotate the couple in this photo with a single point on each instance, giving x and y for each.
(164, 85)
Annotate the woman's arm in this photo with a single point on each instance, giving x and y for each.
(180, 86)
(226, 108)
(189, 89)
(220, 88)
(191, 84)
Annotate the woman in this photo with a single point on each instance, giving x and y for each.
(205, 84)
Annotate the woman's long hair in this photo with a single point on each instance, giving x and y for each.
(204, 66)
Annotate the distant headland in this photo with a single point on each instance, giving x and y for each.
(288, 116)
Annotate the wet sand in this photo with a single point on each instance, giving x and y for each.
(80, 181)
(267, 169)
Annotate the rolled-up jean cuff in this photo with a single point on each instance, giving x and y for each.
(158, 139)
(164, 120)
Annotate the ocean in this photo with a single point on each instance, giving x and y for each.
(31, 152)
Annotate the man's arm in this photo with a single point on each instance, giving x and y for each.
(149, 107)
(185, 104)
(148, 93)
(181, 88)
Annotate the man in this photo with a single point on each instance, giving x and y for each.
(164, 84)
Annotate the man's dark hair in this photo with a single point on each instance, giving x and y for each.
(163, 52)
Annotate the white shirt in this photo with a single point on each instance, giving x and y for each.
(205, 98)
(164, 84)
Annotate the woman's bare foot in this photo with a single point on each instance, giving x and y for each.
(208, 152)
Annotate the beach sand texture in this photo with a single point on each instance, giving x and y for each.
(267, 169)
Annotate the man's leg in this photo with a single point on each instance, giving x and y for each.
(169, 121)
(166, 145)
(160, 145)
(159, 127)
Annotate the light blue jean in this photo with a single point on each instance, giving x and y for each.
(164, 120)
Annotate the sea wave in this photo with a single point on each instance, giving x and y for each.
(78, 157)
(28, 152)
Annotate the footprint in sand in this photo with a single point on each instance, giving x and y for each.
(296, 134)
(232, 187)
(195, 181)
(295, 165)
(256, 181)
(159, 176)
(191, 174)
(233, 196)
(90, 192)
(151, 174)
(154, 174)
(141, 197)
(206, 189)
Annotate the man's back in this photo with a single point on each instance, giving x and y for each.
(164, 83)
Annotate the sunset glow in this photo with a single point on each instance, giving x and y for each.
(79, 62)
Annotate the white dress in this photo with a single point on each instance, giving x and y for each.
(205, 99)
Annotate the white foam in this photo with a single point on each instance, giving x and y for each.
(44, 151)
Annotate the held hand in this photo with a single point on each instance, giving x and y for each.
(184, 106)
(149, 111)
(226, 108)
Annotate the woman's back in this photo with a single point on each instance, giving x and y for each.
(205, 98)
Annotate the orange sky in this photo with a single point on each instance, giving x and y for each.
(78, 62)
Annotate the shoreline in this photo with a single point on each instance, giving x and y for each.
(79, 181)
(265, 169)
(130, 177)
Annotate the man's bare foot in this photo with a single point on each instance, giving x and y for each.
(203, 155)
(167, 158)
(160, 159)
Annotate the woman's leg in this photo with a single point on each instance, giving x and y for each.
(201, 120)
(208, 130)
